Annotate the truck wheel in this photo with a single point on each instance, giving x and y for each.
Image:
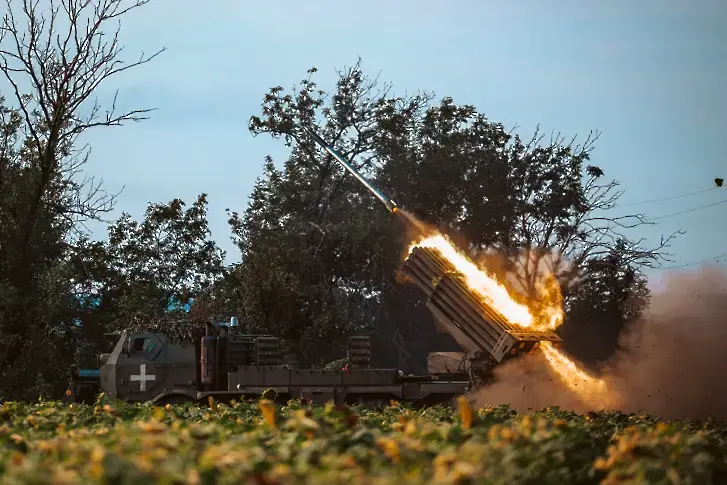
(175, 400)
(374, 401)
(86, 394)
(444, 400)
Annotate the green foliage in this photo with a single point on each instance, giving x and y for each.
(44, 199)
(319, 254)
(35, 312)
(610, 295)
(236, 442)
(167, 257)
(336, 364)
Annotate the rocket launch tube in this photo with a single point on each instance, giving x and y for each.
(472, 322)
(390, 204)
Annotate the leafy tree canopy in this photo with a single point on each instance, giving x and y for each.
(319, 253)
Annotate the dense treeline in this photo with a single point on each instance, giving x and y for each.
(318, 255)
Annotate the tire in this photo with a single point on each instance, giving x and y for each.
(371, 401)
(175, 400)
(436, 400)
(87, 394)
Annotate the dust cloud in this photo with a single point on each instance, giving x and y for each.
(673, 363)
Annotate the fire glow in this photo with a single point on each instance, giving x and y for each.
(589, 388)
(496, 295)
(486, 286)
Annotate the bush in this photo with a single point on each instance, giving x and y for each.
(110, 442)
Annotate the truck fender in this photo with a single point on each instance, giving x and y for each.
(175, 394)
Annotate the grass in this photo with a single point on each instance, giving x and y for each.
(261, 443)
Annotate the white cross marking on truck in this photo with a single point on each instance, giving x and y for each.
(142, 378)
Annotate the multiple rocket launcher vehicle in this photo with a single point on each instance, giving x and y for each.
(226, 363)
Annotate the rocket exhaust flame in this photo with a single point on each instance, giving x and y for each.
(483, 284)
(468, 316)
(588, 388)
(496, 295)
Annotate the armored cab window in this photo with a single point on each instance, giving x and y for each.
(147, 346)
(142, 344)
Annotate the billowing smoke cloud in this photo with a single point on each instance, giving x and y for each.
(672, 363)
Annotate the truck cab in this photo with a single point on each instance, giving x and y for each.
(224, 363)
(141, 366)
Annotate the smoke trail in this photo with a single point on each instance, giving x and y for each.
(416, 227)
(672, 362)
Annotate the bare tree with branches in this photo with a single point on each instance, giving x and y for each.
(54, 56)
(566, 217)
(61, 57)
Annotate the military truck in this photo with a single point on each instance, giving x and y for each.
(226, 364)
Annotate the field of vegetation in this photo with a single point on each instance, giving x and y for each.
(263, 443)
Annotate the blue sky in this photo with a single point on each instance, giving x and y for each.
(650, 75)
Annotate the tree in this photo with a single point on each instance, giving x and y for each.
(611, 296)
(35, 313)
(150, 268)
(533, 213)
(64, 68)
(296, 283)
(563, 214)
(447, 164)
(539, 205)
(304, 236)
(54, 62)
